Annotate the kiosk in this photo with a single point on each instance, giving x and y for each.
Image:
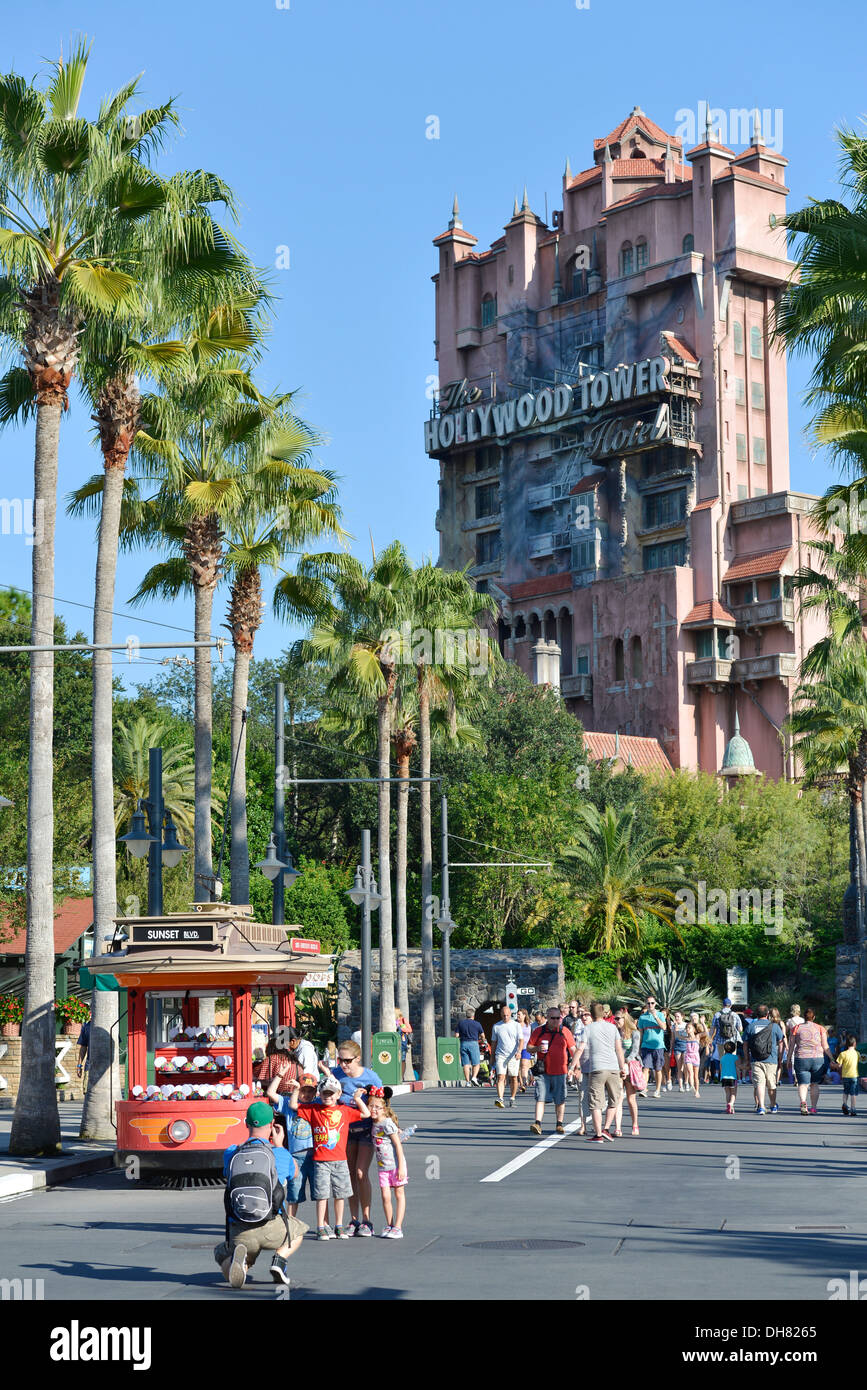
(188, 1090)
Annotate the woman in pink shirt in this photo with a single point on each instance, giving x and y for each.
(810, 1059)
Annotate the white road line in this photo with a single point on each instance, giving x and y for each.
(529, 1154)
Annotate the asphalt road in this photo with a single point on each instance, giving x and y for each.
(701, 1206)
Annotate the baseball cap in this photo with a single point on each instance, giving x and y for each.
(330, 1086)
(726, 1001)
(259, 1114)
(309, 1080)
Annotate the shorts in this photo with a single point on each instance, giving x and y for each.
(551, 1088)
(850, 1085)
(604, 1083)
(679, 1049)
(331, 1179)
(269, 1236)
(360, 1132)
(653, 1058)
(470, 1054)
(728, 1081)
(390, 1177)
(810, 1070)
(526, 1056)
(507, 1066)
(303, 1180)
(768, 1070)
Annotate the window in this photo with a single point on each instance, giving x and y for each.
(511, 275)
(759, 450)
(487, 547)
(743, 593)
(688, 244)
(579, 281)
(738, 332)
(618, 661)
(487, 500)
(637, 660)
(658, 557)
(582, 661)
(486, 458)
(585, 555)
(755, 341)
(742, 491)
(705, 646)
(489, 310)
(757, 395)
(641, 255)
(741, 447)
(740, 391)
(626, 258)
(665, 508)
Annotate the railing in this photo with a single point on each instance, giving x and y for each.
(710, 670)
(548, 542)
(765, 613)
(577, 687)
(757, 668)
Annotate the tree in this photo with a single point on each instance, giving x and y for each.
(130, 773)
(672, 989)
(64, 188)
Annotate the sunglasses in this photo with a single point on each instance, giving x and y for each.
(346, 1059)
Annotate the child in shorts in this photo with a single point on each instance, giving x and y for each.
(299, 1138)
(847, 1061)
(329, 1122)
(390, 1162)
(729, 1075)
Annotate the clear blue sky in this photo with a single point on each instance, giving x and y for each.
(316, 114)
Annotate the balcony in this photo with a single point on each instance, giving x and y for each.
(760, 668)
(766, 613)
(545, 495)
(576, 687)
(709, 671)
(547, 543)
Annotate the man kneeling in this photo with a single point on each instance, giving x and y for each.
(257, 1175)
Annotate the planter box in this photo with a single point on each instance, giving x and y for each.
(10, 1030)
(70, 1029)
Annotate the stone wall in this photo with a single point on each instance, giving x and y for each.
(848, 990)
(10, 1070)
(476, 977)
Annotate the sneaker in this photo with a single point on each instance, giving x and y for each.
(393, 1233)
(325, 1233)
(341, 1233)
(225, 1266)
(279, 1268)
(499, 1104)
(238, 1267)
(365, 1228)
(668, 1087)
(511, 1102)
(635, 1131)
(760, 1110)
(845, 1109)
(384, 1234)
(559, 1129)
(730, 1110)
(595, 1139)
(474, 1081)
(535, 1127)
(813, 1110)
(775, 1110)
(353, 1226)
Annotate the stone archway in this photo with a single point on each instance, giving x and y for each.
(487, 1014)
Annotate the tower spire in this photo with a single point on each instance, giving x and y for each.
(525, 206)
(567, 172)
(456, 215)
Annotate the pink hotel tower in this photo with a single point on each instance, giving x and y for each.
(612, 439)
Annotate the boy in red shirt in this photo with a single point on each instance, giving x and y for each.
(330, 1125)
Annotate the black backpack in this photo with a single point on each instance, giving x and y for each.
(727, 1026)
(761, 1043)
(254, 1193)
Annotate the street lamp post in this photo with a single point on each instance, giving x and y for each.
(364, 894)
(445, 923)
(141, 840)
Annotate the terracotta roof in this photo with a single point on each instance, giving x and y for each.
(643, 754)
(711, 611)
(545, 584)
(751, 566)
(764, 152)
(751, 176)
(702, 506)
(710, 145)
(645, 168)
(679, 347)
(457, 234)
(637, 118)
(656, 190)
(71, 918)
(586, 484)
(586, 176)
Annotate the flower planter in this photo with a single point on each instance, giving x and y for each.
(70, 1029)
(11, 1030)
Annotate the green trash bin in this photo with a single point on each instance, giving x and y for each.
(449, 1059)
(386, 1057)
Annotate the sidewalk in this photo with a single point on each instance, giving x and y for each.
(20, 1175)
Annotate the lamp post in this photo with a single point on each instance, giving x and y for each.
(141, 840)
(365, 895)
(445, 923)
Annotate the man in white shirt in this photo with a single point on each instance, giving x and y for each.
(508, 1039)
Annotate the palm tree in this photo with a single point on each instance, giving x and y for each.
(130, 773)
(65, 188)
(619, 882)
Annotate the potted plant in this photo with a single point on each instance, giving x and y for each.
(72, 1012)
(11, 1014)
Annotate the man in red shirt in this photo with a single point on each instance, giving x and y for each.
(554, 1047)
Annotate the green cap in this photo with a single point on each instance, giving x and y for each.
(259, 1114)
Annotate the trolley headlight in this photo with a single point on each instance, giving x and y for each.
(179, 1130)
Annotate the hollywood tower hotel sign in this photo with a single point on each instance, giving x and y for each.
(612, 442)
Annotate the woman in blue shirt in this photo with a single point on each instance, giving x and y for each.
(351, 1073)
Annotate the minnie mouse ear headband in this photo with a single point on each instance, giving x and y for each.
(377, 1091)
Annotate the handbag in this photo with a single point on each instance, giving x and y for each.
(636, 1073)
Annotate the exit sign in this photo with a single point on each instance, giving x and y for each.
(305, 947)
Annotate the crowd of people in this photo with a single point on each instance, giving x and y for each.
(313, 1136)
(608, 1057)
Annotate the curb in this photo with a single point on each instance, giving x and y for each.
(64, 1170)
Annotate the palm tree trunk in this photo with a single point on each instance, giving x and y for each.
(240, 854)
(860, 863)
(386, 939)
(203, 740)
(400, 884)
(36, 1122)
(862, 936)
(428, 1003)
(97, 1119)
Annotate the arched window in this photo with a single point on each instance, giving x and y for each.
(489, 310)
(535, 627)
(550, 629)
(641, 255)
(520, 628)
(618, 660)
(637, 660)
(579, 280)
(688, 243)
(626, 258)
(755, 341)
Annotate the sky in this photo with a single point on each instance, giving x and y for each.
(319, 114)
